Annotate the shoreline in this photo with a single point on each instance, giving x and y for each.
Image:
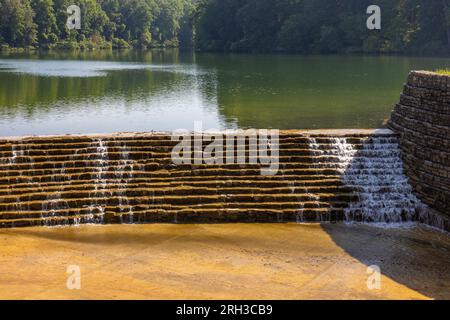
(227, 53)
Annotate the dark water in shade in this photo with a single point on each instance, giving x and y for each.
(101, 92)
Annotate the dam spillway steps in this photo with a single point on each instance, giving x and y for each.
(129, 178)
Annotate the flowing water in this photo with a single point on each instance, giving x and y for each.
(376, 173)
(74, 180)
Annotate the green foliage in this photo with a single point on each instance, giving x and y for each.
(322, 26)
(45, 20)
(17, 26)
(104, 23)
(304, 26)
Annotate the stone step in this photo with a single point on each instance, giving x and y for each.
(278, 186)
(130, 209)
(143, 183)
(124, 191)
(167, 156)
(27, 193)
(186, 216)
(167, 139)
(172, 199)
(169, 145)
(52, 221)
(133, 197)
(212, 213)
(129, 182)
(93, 147)
(156, 171)
(149, 165)
(63, 179)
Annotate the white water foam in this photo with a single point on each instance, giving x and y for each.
(374, 170)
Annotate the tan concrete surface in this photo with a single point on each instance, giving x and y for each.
(231, 261)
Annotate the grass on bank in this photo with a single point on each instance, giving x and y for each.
(444, 72)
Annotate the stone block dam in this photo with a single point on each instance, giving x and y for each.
(397, 174)
(140, 225)
(131, 178)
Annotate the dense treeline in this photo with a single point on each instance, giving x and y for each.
(304, 26)
(322, 26)
(117, 23)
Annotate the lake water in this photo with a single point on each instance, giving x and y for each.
(101, 92)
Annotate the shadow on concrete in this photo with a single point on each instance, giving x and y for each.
(414, 256)
(418, 258)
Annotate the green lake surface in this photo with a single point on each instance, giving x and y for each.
(135, 91)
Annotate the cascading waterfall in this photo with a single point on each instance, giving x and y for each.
(124, 163)
(16, 153)
(312, 197)
(96, 210)
(374, 170)
(110, 179)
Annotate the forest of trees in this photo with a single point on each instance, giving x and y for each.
(303, 26)
(105, 23)
(323, 26)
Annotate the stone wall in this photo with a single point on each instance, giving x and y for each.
(422, 118)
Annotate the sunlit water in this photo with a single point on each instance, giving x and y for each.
(100, 92)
